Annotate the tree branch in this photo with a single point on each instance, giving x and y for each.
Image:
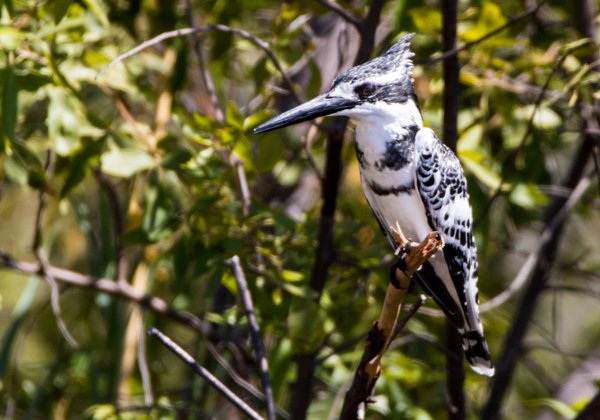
(341, 12)
(263, 363)
(384, 330)
(201, 371)
(111, 287)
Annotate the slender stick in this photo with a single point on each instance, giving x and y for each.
(111, 287)
(263, 364)
(201, 371)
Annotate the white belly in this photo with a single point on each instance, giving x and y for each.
(404, 208)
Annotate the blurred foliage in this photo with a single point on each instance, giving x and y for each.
(143, 173)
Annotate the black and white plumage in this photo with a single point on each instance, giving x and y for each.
(409, 177)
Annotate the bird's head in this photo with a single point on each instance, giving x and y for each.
(360, 91)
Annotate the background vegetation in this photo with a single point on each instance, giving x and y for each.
(122, 197)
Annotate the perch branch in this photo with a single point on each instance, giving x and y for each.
(382, 332)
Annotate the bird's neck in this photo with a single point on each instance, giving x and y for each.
(385, 137)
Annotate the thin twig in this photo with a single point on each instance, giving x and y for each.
(206, 28)
(404, 320)
(238, 165)
(343, 13)
(201, 371)
(235, 376)
(490, 34)
(143, 366)
(263, 363)
(42, 259)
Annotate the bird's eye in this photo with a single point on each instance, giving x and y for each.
(365, 90)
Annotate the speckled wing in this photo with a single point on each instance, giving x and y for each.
(443, 189)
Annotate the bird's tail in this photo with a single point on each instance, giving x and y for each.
(467, 321)
(477, 352)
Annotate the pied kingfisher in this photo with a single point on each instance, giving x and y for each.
(409, 177)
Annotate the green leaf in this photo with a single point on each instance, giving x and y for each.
(292, 276)
(64, 120)
(10, 38)
(426, 19)
(557, 406)
(481, 172)
(97, 9)
(9, 104)
(124, 163)
(544, 118)
(470, 139)
(57, 9)
(305, 325)
(233, 116)
(528, 196)
(270, 151)
(80, 165)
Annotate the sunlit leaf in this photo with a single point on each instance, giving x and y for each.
(64, 120)
(482, 173)
(544, 117)
(126, 162)
(528, 196)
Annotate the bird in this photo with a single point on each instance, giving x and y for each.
(411, 178)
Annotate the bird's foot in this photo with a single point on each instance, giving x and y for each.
(399, 266)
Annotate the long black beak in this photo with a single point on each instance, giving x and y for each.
(318, 107)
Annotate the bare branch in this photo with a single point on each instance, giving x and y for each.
(212, 27)
(143, 367)
(263, 364)
(201, 371)
(343, 13)
(238, 165)
(111, 287)
(455, 373)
